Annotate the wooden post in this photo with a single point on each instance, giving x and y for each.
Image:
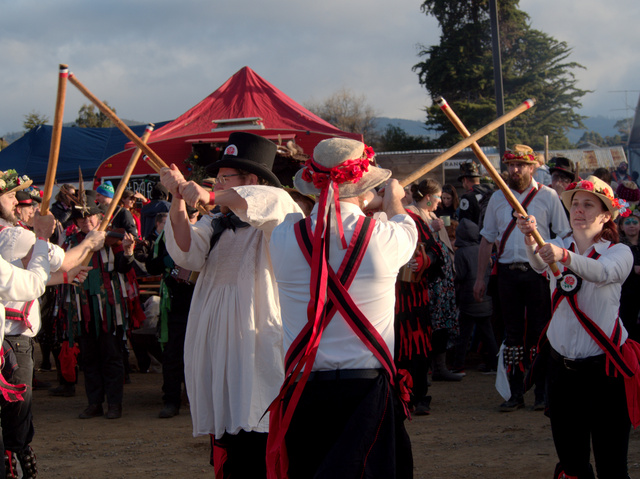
(510, 197)
(467, 142)
(56, 134)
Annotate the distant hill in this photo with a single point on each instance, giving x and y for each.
(600, 124)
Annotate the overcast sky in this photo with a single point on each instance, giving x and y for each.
(153, 60)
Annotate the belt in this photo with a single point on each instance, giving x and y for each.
(337, 374)
(579, 364)
(514, 266)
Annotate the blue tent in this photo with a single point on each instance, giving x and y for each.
(86, 148)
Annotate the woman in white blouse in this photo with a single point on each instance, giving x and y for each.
(586, 399)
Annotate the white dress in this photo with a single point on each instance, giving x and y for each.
(233, 346)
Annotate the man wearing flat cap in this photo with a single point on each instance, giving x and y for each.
(342, 389)
(523, 294)
(233, 345)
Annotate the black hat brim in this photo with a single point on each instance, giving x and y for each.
(562, 170)
(243, 164)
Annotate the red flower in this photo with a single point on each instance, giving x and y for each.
(586, 185)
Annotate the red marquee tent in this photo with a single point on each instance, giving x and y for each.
(245, 102)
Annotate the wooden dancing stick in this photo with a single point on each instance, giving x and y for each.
(104, 224)
(56, 133)
(508, 194)
(485, 130)
(124, 180)
(146, 149)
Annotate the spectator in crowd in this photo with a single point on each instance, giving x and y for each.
(604, 174)
(442, 305)
(473, 203)
(563, 173)
(449, 204)
(630, 297)
(158, 204)
(620, 174)
(474, 315)
(63, 206)
(542, 174)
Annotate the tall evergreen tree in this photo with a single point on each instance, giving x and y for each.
(534, 64)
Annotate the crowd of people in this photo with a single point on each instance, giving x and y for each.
(306, 324)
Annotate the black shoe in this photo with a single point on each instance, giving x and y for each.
(513, 404)
(63, 390)
(27, 460)
(169, 410)
(38, 385)
(94, 410)
(45, 366)
(423, 407)
(114, 411)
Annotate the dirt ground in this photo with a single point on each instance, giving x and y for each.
(464, 437)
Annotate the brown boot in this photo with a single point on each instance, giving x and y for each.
(93, 410)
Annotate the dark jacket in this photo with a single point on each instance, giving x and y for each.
(473, 203)
(466, 263)
(148, 215)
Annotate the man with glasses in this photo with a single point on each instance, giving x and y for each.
(233, 346)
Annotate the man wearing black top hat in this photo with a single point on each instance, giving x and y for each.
(473, 202)
(28, 202)
(233, 346)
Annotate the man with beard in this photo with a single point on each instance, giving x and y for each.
(524, 295)
(23, 318)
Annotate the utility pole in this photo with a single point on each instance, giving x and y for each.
(497, 73)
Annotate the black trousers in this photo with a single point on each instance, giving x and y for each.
(348, 428)
(525, 304)
(240, 456)
(17, 420)
(103, 366)
(588, 407)
(173, 360)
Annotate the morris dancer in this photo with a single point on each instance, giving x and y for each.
(523, 294)
(347, 422)
(233, 347)
(592, 362)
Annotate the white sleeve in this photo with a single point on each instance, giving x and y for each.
(267, 206)
(612, 267)
(195, 258)
(18, 284)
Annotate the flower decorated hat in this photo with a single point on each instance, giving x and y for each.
(10, 181)
(344, 162)
(521, 153)
(599, 188)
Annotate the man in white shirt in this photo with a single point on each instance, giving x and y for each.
(524, 295)
(23, 318)
(348, 417)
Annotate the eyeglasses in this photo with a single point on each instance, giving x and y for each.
(222, 179)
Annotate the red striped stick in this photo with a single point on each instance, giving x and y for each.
(484, 131)
(508, 194)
